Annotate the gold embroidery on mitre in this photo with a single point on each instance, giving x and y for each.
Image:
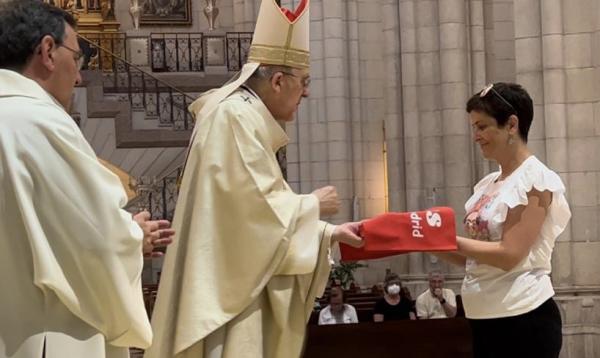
(279, 55)
(288, 41)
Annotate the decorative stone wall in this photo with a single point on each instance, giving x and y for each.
(558, 60)
(410, 66)
(386, 124)
(199, 22)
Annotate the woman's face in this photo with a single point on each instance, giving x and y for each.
(492, 140)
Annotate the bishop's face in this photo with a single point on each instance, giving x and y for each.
(294, 87)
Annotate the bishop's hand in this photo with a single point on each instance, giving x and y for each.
(348, 234)
(329, 203)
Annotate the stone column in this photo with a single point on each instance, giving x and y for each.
(354, 93)
(394, 120)
(431, 94)
(476, 45)
(503, 40)
(555, 119)
(244, 14)
(481, 62)
(307, 168)
(410, 112)
(320, 152)
(336, 119)
(565, 76)
(455, 89)
(368, 112)
(528, 54)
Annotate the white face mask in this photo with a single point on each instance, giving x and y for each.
(393, 289)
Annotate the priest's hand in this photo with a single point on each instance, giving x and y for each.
(157, 233)
(329, 203)
(348, 234)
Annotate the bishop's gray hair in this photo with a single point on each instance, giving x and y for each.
(267, 71)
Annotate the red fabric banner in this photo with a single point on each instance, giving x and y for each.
(399, 233)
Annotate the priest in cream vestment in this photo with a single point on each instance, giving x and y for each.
(70, 257)
(251, 255)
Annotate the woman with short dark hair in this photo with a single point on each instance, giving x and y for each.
(513, 219)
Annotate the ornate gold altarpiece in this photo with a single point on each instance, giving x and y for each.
(93, 16)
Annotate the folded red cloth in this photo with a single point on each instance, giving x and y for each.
(399, 233)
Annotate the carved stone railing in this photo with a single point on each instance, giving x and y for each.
(176, 52)
(168, 52)
(238, 46)
(114, 42)
(195, 51)
(146, 93)
(157, 195)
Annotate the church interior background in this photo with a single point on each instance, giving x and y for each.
(385, 121)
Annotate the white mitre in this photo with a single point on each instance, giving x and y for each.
(281, 37)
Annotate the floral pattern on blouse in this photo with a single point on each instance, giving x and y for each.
(475, 225)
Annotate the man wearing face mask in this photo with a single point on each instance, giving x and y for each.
(393, 305)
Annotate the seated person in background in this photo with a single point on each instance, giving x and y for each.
(337, 312)
(437, 301)
(394, 305)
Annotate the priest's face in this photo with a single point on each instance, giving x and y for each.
(293, 87)
(56, 66)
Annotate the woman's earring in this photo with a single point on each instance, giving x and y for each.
(511, 140)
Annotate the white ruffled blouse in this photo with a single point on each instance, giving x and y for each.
(490, 292)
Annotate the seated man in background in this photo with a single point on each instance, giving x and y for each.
(337, 312)
(437, 301)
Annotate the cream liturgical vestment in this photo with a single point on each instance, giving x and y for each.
(250, 256)
(70, 257)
